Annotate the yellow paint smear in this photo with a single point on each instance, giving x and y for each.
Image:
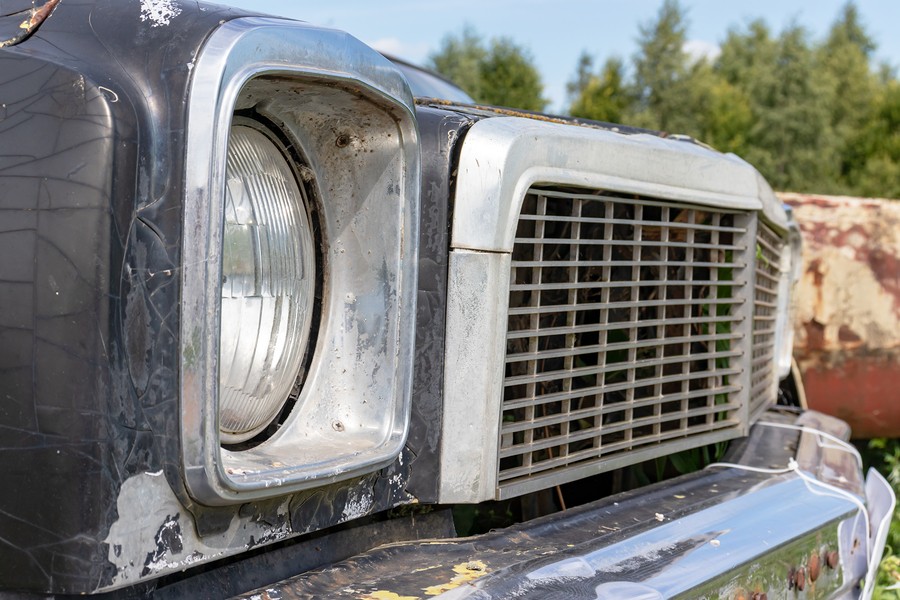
(388, 596)
(465, 572)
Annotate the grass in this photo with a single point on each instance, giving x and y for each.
(884, 455)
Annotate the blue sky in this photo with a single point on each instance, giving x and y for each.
(557, 31)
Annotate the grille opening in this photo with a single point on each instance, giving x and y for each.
(623, 330)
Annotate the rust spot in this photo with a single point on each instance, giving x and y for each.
(859, 388)
(815, 335)
(848, 336)
(800, 579)
(815, 267)
(813, 566)
(887, 268)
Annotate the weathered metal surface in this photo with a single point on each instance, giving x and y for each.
(441, 132)
(92, 125)
(847, 321)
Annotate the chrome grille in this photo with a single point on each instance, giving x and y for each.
(769, 247)
(624, 334)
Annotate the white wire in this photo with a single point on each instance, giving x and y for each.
(762, 470)
(841, 444)
(810, 481)
(835, 492)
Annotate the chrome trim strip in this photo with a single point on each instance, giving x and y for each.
(239, 51)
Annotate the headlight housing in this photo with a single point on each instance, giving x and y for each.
(268, 283)
(290, 122)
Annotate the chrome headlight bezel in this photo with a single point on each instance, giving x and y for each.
(352, 115)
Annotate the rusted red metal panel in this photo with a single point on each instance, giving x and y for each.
(847, 309)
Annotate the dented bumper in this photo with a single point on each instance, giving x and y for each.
(790, 516)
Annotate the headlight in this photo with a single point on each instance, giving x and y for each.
(268, 284)
(299, 263)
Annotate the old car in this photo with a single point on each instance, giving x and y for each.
(273, 327)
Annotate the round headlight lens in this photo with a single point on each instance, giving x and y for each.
(268, 285)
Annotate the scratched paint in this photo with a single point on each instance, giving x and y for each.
(847, 326)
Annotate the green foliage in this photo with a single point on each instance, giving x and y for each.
(662, 87)
(884, 454)
(501, 73)
(602, 97)
(813, 117)
(873, 151)
(789, 138)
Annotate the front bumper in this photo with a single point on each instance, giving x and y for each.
(754, 529)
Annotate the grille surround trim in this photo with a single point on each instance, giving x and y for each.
(500, 160)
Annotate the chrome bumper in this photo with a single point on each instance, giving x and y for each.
(789, 516)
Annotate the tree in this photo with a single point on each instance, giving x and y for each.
(662, 73)
(600, 97)
(852, 87)
(874, 152)
(509, 77)
(584, 72)
(810, 116)
(723, 113)
(459, 59)
(501, 74)
(790, 136)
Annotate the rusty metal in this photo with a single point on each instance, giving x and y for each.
(814, 566)
(848, 310)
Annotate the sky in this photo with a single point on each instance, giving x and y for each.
(556, 32)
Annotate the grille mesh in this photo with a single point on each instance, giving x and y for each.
(765, 305)
(624, 337)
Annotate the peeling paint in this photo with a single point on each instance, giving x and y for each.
(358, 505)
(140, 549)
(159, 12)
(847, 307)
(38, 14)
(465, 573)
(381, 595)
